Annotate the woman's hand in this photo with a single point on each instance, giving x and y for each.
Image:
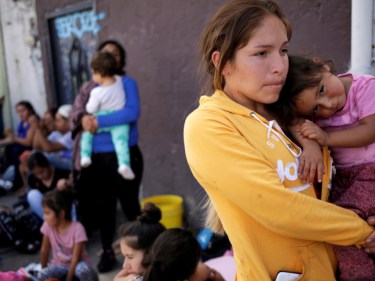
(370, 240)
(89, 123)
(123, 275)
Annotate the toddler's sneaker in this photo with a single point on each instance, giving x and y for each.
(85, 162)
(126, 172)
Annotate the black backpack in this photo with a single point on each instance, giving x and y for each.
(21, 227)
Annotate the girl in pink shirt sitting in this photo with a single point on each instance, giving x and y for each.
(66, 239)
(340, 114)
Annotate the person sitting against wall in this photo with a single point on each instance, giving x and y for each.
(19, 142)
(46, 126)
(44, 177)
(58, 145)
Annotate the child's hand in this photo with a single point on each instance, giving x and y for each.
(62, 184)
(311, 162)
(312, 131)
(370, 240)
(89, 123)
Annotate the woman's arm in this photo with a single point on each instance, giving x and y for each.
(41, 142)
(221, 158)
(130, 113)
(78, 109)
(45, 250)
(28, 140)
(361, 135)
(77, 253)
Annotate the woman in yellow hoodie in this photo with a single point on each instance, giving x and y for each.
(248, 166)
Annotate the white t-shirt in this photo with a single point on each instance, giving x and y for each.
(110, 97)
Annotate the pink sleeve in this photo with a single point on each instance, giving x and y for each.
(79, 233)
(365, 98)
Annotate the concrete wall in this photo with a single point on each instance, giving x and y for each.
(22, 54)
(322, 28)
(161, 38)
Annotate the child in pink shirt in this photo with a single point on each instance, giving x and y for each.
(343, 109)
(66, 239)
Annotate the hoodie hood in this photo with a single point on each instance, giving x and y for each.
(220, 100)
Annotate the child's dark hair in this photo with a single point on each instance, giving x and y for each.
(140, 234)
(58, 201)
(304, 73)
(37, 159)
(174, 256)
(104, 63)
(122, 51)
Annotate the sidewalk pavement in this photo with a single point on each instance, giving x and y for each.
(11, 260)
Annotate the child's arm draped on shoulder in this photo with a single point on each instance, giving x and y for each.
(77, 253)
(311, 160)
(361, 135)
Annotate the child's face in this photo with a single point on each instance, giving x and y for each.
(133, 259)
(50, 216)
(324, 100)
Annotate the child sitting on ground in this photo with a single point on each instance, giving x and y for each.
(175, 255)
(65, 238)
(108, 97)
(136, 239)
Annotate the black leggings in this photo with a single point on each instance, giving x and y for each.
(98, 188)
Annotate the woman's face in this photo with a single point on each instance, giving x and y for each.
(23, 113)
(48, 122)
(133, 259)
(42, 173)
(114, 51)
(257, 72)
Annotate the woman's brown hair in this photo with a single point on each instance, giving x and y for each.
(229, 30)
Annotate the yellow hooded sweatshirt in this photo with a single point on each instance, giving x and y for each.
(248, 168)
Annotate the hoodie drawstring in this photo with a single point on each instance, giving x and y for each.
(270, 128)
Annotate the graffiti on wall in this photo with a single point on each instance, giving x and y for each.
(78, 23)
(74, 39)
